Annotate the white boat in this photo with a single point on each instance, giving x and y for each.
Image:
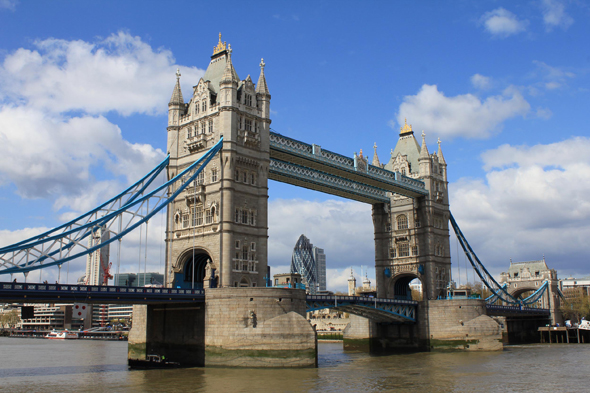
(584, 325)
(63, 335)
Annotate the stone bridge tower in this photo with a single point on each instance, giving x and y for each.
(217, 228)
(412, 234)
(524, 278)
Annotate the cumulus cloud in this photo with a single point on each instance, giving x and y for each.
(463, 115)
(120, 73)
(554, 15)
(344, 229)
(55, 140)
(502, 23)
(533, 202)
(481, 82)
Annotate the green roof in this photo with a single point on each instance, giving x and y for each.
(407, 145)
(215, 71)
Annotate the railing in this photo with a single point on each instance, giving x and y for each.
(358, 299)
(291, 285)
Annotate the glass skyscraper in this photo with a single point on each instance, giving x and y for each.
(310, 262)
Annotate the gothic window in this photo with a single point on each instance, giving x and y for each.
(202, 127)
(213, 219)
(253, 246)
(253, 179)
(200, 215)
(392, 253)
(237, 263)
(402, 221)
(237, 215)
(190, 132)
(237, 175)
(245, 253)
(248, 125)
(248, 99)
(237, 244)
(404, 250)
(244, 177)
(210, 126)
(251, 218)
(404, 171)
(415, 251)
(244, 216)
(213, 175)
(185, 220)
(208, 216)
(201, 178)
(193, 216)
(197, 107)
(204, 105)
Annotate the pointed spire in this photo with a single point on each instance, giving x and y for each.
(424, 150)
(177, 93)
(351, 275)
(406, 129)
(375, 157)
(261, 87)
(441, 158)
(229, 74)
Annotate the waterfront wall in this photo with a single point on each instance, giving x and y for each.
(258, 327)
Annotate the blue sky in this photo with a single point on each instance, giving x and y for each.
(504, 84)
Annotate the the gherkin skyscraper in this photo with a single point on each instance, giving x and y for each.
(303, 262)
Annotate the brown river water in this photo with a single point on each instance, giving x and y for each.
(37, 365)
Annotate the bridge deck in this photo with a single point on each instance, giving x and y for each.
(287, 155)
(65, 293)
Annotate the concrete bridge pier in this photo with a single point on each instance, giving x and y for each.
(234, 327)
(441, 325)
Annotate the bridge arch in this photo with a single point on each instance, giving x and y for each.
(399, 286)
(193, 266)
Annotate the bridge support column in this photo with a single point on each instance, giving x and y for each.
(363, 334)
(258, 327)
(381, 247)
(175, 331)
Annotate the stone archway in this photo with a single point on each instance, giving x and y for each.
(193, 269)
(400, 286)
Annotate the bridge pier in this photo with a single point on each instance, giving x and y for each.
(441, 325)
(234, 327)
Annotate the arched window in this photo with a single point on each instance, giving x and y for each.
(402, 221)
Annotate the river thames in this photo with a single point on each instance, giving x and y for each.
(37, 365)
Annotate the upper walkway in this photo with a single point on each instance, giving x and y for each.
(309, 166)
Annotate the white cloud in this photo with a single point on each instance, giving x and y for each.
(120, 73)
(554, 15)
(552, 77)
(544, 113)
(46, 155)
(344, 229)
(463, 115)
(8, 4)
(481, 82)
(533, 203)
(502, 23)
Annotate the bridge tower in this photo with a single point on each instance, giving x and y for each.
(217, 228)
(412, 234)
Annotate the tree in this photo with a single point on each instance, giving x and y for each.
(10, 319)
(576, 304)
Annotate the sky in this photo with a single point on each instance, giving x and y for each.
(505, 85)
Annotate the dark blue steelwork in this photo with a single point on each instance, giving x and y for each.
(185, 177)
(65, 293)
(377, 309)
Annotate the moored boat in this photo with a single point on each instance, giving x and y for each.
(61, 335)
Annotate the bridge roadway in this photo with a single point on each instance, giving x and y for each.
(379, 310)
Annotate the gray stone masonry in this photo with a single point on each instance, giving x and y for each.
(258, 327)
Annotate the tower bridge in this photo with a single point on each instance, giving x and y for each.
(221, 154)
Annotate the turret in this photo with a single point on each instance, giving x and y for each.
(375, 157)
(351, 284)
(424, 158)
(441, 161)
(176, 104)
(229, 82)
(262, 94)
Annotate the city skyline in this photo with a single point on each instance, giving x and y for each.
(504, 85)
